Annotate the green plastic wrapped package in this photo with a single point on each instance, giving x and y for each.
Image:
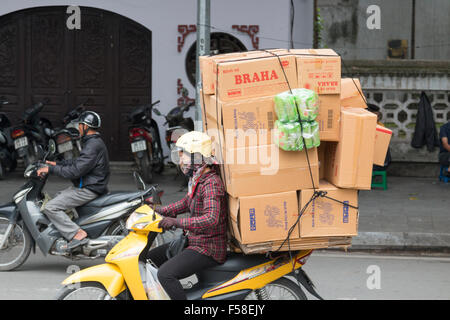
(288, 136)
(285, 107)
(301, 102)
(311, 134)
(307, 103)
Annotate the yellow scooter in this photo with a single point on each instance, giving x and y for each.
(249, 277)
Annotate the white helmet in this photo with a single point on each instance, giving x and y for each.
(195, 142)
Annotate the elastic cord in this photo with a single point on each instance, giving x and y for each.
(299, 118)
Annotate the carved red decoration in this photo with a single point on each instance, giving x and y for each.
(251, 30)
(184, 99)
(184, 29)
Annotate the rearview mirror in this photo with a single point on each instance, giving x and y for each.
(156, 199)
(140, 184)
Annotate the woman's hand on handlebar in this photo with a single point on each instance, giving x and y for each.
(52, 163)
(168, 223)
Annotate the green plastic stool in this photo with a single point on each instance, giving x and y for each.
(383, 183)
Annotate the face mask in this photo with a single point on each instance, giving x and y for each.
(190, 170)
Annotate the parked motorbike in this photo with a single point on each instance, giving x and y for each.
(177, 126)
(34, 131)
(67, 138)
(177, 123)
(7, 155)
(145, 141)
(23, 225)
(127, 274)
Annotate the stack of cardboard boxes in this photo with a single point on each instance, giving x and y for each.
(267, 186)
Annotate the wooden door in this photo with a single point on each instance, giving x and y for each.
(107, 61)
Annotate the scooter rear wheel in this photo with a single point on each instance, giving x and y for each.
(17, 247)
(280, 289)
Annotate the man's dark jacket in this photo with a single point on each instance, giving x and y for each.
(91, 169)
(425, 132)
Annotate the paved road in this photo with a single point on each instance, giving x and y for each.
(355, 276)
(337, 275)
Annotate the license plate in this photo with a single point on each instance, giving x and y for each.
(20, 143)
(138, 146)
(64, 147)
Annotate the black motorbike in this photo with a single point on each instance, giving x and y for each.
(67, 138)
(7, 155)
(34, 131)
(23, 225)
(177, 123)
(145, 141)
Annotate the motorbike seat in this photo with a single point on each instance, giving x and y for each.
(113, 198)
(236, 262)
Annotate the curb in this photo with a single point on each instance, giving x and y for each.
(400, 240)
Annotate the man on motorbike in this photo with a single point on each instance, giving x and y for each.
(207, 224)
(89, 174)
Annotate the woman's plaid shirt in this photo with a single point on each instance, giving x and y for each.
(207, 224)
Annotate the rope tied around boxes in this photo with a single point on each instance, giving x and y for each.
(316, 193)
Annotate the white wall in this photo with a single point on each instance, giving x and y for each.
(163, 18)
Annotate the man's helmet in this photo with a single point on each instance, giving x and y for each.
(91, 119)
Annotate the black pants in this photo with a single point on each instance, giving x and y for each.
(181, 266)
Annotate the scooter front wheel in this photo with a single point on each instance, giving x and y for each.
(15, 242)
(84, 291)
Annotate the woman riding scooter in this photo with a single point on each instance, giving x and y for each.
(207, 224)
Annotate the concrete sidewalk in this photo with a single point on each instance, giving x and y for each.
(413, 213)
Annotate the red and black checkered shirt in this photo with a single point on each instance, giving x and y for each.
(207, 224)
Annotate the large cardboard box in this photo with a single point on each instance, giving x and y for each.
(260, 74)
(349, 162)
(325, 217)
(329, 117)
(352, 95)
(382, 139)
(318, 70)
(263, 217)
(208, 64)
(246, 122)
(267, 169)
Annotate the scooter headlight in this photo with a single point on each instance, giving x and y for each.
(28, 171)
(134, 217)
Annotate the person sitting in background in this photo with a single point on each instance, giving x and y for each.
(444, 147)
